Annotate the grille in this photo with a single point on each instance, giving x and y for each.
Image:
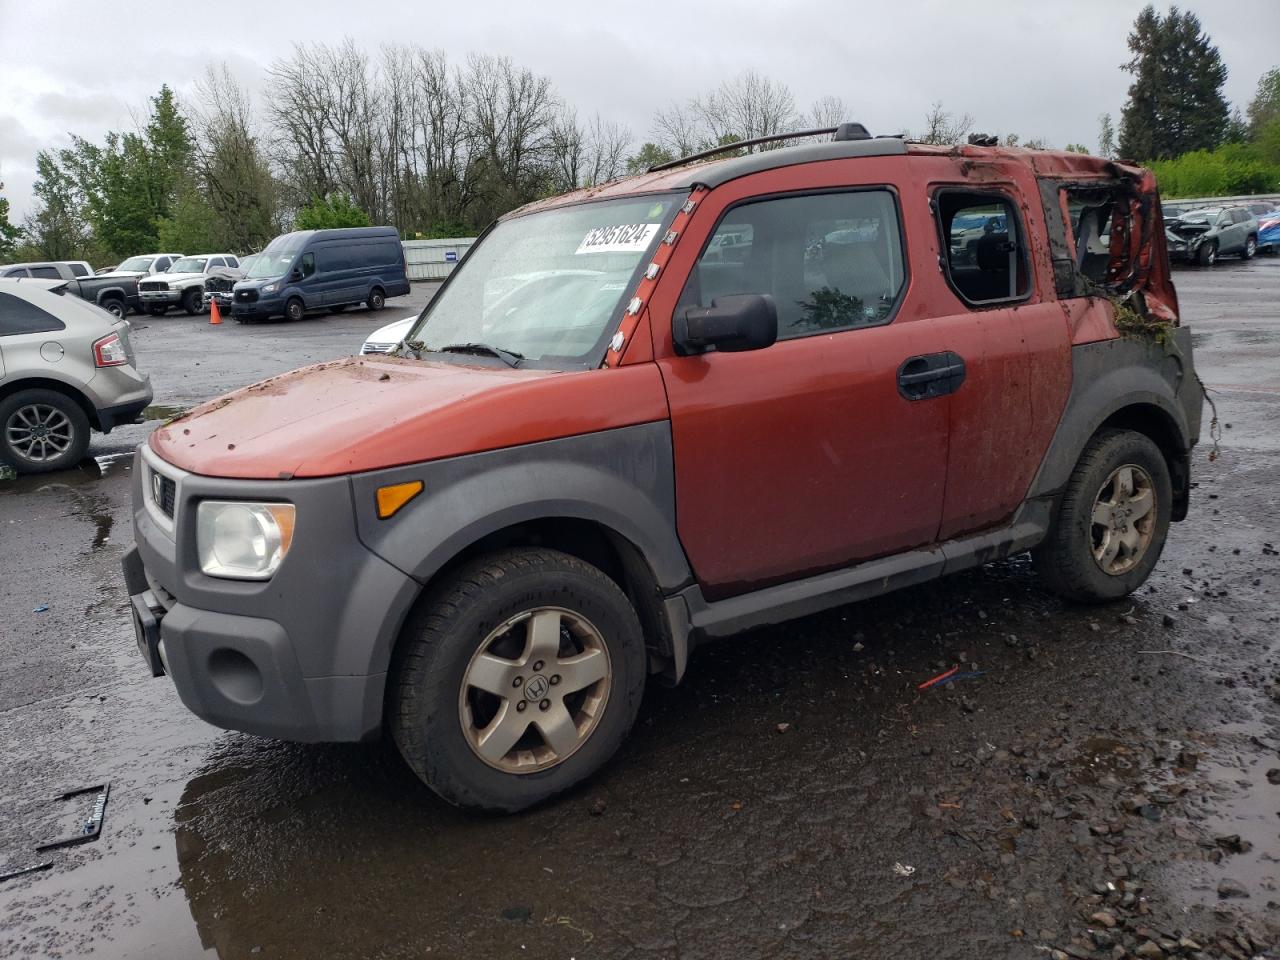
(153, 285)
(246, 296)
(163, 493)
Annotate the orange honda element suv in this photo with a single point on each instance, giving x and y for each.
(726, 392)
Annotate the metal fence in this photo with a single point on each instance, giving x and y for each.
(434, 259)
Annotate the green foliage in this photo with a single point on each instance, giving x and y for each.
(444, 230)
(1231, 170)
(192, 224)
(647, 156)
(55, 230)
(1076, 148)
(10, 234)
(332, 212)
(128, 184)
(1175, 102)
(1106, 136)
(1264, 108)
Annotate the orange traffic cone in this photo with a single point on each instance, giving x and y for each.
(214, 315)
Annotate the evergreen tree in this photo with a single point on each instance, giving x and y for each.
(331, 212)
(10, 234)
(1175, 101)
(1106, 137)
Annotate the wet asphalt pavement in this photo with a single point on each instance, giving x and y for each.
(1099, 790)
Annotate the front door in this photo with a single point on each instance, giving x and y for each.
(821, 450)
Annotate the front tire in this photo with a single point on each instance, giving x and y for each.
(295, 309)
(1208, 254)
(42, 431)
(1250, 248)
(519, 677)
(192, 301)
(1111, 522)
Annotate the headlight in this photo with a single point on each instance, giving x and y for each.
(271, 288)
(243, 541)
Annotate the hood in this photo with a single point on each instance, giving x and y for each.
(178, 277)
(367, 413)
(117, 274)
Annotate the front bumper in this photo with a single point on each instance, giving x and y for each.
(302, 656)
(153, 297)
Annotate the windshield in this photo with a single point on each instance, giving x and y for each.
(547, 285)
(188, 265)
(136, 265)
(275, 260)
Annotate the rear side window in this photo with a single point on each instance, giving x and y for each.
(17, 272)
(986, 247)
(18, 316)
(45, 273)
(830, 261)
(77, 269)
(233, 262)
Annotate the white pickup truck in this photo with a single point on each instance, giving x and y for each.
(183, 283)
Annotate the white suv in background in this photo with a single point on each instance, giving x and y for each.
(183, 283)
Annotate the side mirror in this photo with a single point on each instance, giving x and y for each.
(743, 321)
(295, 276)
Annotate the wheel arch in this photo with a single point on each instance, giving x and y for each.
(58, 386)
(1126, 384)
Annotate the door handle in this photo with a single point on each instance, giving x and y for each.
(930, 375)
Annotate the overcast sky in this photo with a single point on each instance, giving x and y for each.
(1038, 69)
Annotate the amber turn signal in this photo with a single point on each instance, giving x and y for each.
(392, 498)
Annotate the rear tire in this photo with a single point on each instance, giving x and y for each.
(42, 431)
(192, 301)
(1104, 541)
(491, 622)
(117, 308)
(295, 309)
(377, 299)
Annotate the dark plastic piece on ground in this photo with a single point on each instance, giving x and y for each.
(91, 829)
(23, 871)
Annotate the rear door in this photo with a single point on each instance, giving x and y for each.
(807, 455)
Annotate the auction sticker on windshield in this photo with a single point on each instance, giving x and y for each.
(620, 238)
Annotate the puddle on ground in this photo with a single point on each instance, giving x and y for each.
(88, 470)
(1235, 819)
(163, 411)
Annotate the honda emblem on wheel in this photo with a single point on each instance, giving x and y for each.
(537, 687)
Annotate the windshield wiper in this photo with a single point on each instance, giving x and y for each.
(509, 357)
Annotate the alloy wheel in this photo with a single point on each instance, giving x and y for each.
(1123, 520)
(39, 432)
(535, 690)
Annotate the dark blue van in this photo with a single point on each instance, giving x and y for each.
(322, 270)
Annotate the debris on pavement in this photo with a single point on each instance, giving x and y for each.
(783, 727)
(43, 608)
(938, 679)
(91, 828)
(903, 870)
(23, 871)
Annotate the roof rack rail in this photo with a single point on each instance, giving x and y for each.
(845, 131)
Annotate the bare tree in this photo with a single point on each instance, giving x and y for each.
(231, 164)
(828, 111)
(943, 127)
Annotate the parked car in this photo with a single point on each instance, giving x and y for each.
(1269, 231)
(115, 292)
(183, 283)
(323, 269)
(1203, 235)
(568, 480)
(148, 264)
(66, 367)
(387, 338)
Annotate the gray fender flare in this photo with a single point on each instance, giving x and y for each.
(1108, 377)
(111, 293)
(621, 480)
